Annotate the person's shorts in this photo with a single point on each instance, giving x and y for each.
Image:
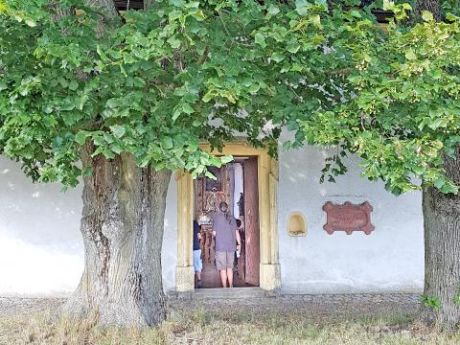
(225, 260)
(197, 263)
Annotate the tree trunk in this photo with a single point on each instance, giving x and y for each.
(148, 3)
(122, 227)
(106, 6)
(441, 214)
(432, 6)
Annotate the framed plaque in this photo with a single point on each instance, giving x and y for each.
(348, 217)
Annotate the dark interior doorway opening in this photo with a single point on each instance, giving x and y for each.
(236, 183)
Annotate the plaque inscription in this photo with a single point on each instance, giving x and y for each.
(348, 217)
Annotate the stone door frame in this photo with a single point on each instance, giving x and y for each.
(268, 211)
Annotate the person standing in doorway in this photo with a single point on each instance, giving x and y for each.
(197, 263)
(228, 241)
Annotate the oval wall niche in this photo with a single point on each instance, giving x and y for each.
(297, 225)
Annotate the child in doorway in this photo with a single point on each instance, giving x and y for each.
(197, 263)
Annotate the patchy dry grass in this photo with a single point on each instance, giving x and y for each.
(229, 327)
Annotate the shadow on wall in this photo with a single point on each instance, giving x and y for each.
(302, 168)
(41, 249)
(41, 214)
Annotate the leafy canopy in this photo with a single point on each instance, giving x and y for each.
(157, 83)
(400, 106)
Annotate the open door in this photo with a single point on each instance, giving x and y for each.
(251, 221)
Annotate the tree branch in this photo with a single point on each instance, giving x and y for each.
(148, 3)
(107, 7)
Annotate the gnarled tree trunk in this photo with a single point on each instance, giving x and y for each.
(122, 228)
(441, 214)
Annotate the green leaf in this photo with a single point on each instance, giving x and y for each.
(293, 47)
(427, 16)
(192, 4)
(176, 114)
(199, 15)
(73, 85)
(273, 10)
(260, 39)
(118, 131)
(449, 188)
(316, 20)
(410, 55)
(138, 82)
(208, 96)
(187, 108)
(406, 6)
(31, 23)
(174, 42)
(167, 143)
(277, 57)
(116, 148)
(439, 183)
(302, 6)
(356, 14)
(226, 159)
(101, 53)
(388, 5)
(177, 3)
(81, 137)
(254, 88)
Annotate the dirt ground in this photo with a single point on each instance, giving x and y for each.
(313, 307)
(309, 319)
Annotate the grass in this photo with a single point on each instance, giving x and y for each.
(228, 327)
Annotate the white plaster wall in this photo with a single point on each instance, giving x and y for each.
(390, 259)
(169, 249)
(41, 250)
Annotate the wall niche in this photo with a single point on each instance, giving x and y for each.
(297, 225)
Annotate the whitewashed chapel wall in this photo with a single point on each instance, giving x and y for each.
(41, 250)
(390, 259)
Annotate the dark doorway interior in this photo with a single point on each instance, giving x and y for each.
(237, 185)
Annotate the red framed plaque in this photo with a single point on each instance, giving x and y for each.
(348, 217)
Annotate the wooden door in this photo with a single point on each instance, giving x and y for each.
(251, 221)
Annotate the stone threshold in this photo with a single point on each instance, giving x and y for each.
(221, 293)
(248, 293)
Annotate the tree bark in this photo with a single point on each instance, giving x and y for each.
(106, 6)
(122, 227)
(148, 3)
(432, 6)
(441, 214)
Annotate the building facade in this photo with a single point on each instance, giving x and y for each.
(41, 250)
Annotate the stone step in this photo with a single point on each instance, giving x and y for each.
(233, 293)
